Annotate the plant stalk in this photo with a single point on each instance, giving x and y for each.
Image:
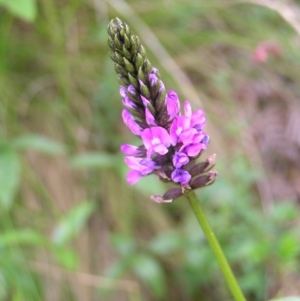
(216, 248)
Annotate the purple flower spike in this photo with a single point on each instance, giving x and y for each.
(180, 159)
(173, 104)
(131, 124)
(156, 140)
(171, 140)
(181, 176)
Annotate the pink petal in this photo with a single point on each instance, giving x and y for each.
(123, 91)
(126, 115)
(160, 149)
(162, 134)
(147, 137)
(150, 118)
(198, 137)
(194, 149)
(198, 117)
(129, 150)
(131, 123)
(178, 126)
(133, 176)
(132, 162)
(145, 101)
(173, 104)
(187, 109)
(187, 136)
(134, 127)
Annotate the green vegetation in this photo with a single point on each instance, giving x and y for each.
(71, 228)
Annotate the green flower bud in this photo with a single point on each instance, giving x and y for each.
(139, 61)
(123, 80)
(135, 44)
(119, 58)
(146, 66)
(113, 56)
(133, 80)
(127, 42)
(127, 53)
(144, 90)
(128, 65)
(142, 76)
(120, 70)
(117, 42)
(160, 100)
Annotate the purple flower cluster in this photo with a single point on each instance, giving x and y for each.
(171, 140)
(168, 150)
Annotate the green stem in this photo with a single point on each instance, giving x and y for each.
(215, 246)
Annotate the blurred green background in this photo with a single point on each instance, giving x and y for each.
(71, 227)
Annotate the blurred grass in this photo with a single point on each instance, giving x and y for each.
(60, 135)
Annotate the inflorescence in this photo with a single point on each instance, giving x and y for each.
(172, 141)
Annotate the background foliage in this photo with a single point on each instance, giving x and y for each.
(71, 227)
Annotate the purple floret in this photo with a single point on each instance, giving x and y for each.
(180, 159)
(181, 176)
(139, 167)
(168, 150)
(156, 140)
(131, 123)
(173, 105)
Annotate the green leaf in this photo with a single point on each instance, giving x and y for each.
(22, 236)
(66, 258)
(39, 143)
(284, 212)
(166, 243)
(288, 247)
(10, 175)
(73, 222)
(119, 267)
(125, 245)
(94, 160)
(149, 270)
(24, 9)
